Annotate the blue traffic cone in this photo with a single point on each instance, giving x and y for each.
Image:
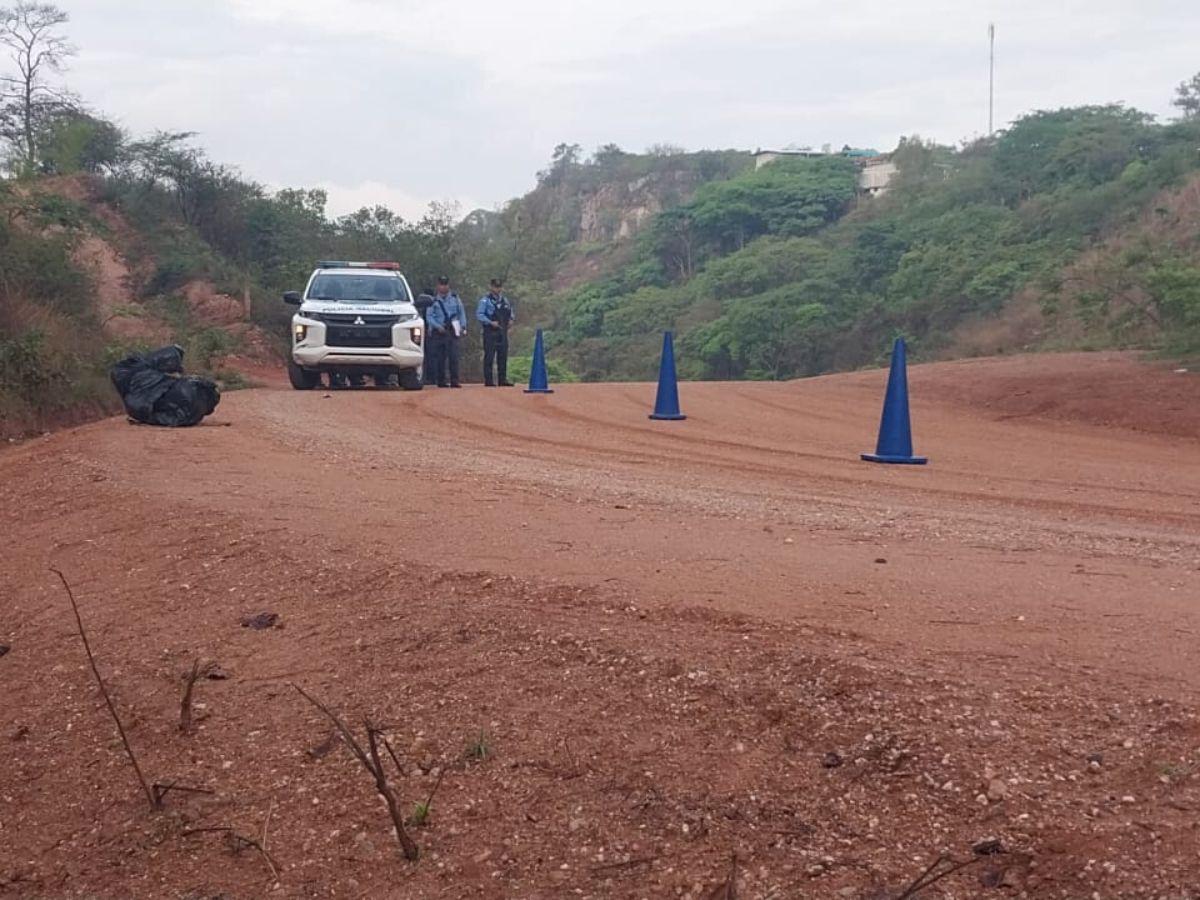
(895, 429)
(666, 404)
(539, 381)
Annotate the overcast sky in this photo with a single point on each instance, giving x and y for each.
(406, 101)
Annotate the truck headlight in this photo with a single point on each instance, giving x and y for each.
(301, 332)
(417, 334)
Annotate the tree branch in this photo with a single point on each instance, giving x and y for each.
(238, 842)
(371, 762)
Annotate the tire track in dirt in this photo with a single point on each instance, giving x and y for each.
(729, 463)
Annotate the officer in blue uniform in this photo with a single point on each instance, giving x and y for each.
(495, 313)
(447, 321)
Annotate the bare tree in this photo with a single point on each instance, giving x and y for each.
(30, 31)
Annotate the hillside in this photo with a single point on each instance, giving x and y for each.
(1076, 228)
(1072, 228)
(595, 208)
(148, 241)
(81, 289)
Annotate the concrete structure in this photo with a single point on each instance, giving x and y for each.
(875, 169)
(875, 175)
(766, 157)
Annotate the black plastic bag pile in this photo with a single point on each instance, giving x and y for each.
(156, 392)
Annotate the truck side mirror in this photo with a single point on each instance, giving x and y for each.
(423, 302)
(293, 297)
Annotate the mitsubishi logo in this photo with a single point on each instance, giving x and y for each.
(359, 321)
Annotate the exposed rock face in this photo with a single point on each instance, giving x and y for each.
(619, 210)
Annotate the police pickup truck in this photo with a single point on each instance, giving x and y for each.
(356, 319)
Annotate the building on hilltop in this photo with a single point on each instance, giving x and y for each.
(874, 175)
(765, 157)
(875, 169)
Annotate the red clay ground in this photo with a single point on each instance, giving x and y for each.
(666, 634)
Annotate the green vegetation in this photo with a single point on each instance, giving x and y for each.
(479, 748)
(1080, 215)
(782, 271)
(519, 368)
(420, 814)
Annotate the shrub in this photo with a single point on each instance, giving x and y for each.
(26, 373)
(204, 347)
(519, 368)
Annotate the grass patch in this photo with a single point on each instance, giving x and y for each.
(479, 748)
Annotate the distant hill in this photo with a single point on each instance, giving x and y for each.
(1073, 228)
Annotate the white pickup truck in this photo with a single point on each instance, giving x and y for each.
(356, 319)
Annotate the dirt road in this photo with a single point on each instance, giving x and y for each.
(664, 629)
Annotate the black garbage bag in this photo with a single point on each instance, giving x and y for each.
(155, 390)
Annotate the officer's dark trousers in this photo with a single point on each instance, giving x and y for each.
(443, 355)
(495, 347)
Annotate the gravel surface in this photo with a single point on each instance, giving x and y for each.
(624, 653)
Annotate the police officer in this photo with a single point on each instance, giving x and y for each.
(447, 320)
(495, 312)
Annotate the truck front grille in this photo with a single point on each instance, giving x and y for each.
(359, 319)
(358, 336)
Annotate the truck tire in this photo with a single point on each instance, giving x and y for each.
(410, 379)
(302, 379)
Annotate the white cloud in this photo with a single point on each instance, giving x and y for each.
(422, 99)
(348, 198)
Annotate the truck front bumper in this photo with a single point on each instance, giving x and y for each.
(312, 353)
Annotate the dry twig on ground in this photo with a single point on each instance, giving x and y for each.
(185, 705)
(942, 867)
(371, 762)
(161, 790)
(151, 796)
(239, 842)
(727, 890)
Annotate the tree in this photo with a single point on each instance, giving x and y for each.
(609, 156)
(674, 238)
(564, 159)
(30, 32)
(919, 163)
(1080, 146)
(1187, 97)
(212, 198)
(72, 141)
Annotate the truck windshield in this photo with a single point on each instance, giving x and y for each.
(358, 289)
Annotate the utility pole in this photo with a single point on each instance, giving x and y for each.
(991, 76)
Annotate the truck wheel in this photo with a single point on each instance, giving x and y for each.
(410, 379)
(302, 379)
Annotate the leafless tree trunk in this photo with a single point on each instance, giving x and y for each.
(30, 32)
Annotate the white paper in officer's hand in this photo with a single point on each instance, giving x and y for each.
(457, 326)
